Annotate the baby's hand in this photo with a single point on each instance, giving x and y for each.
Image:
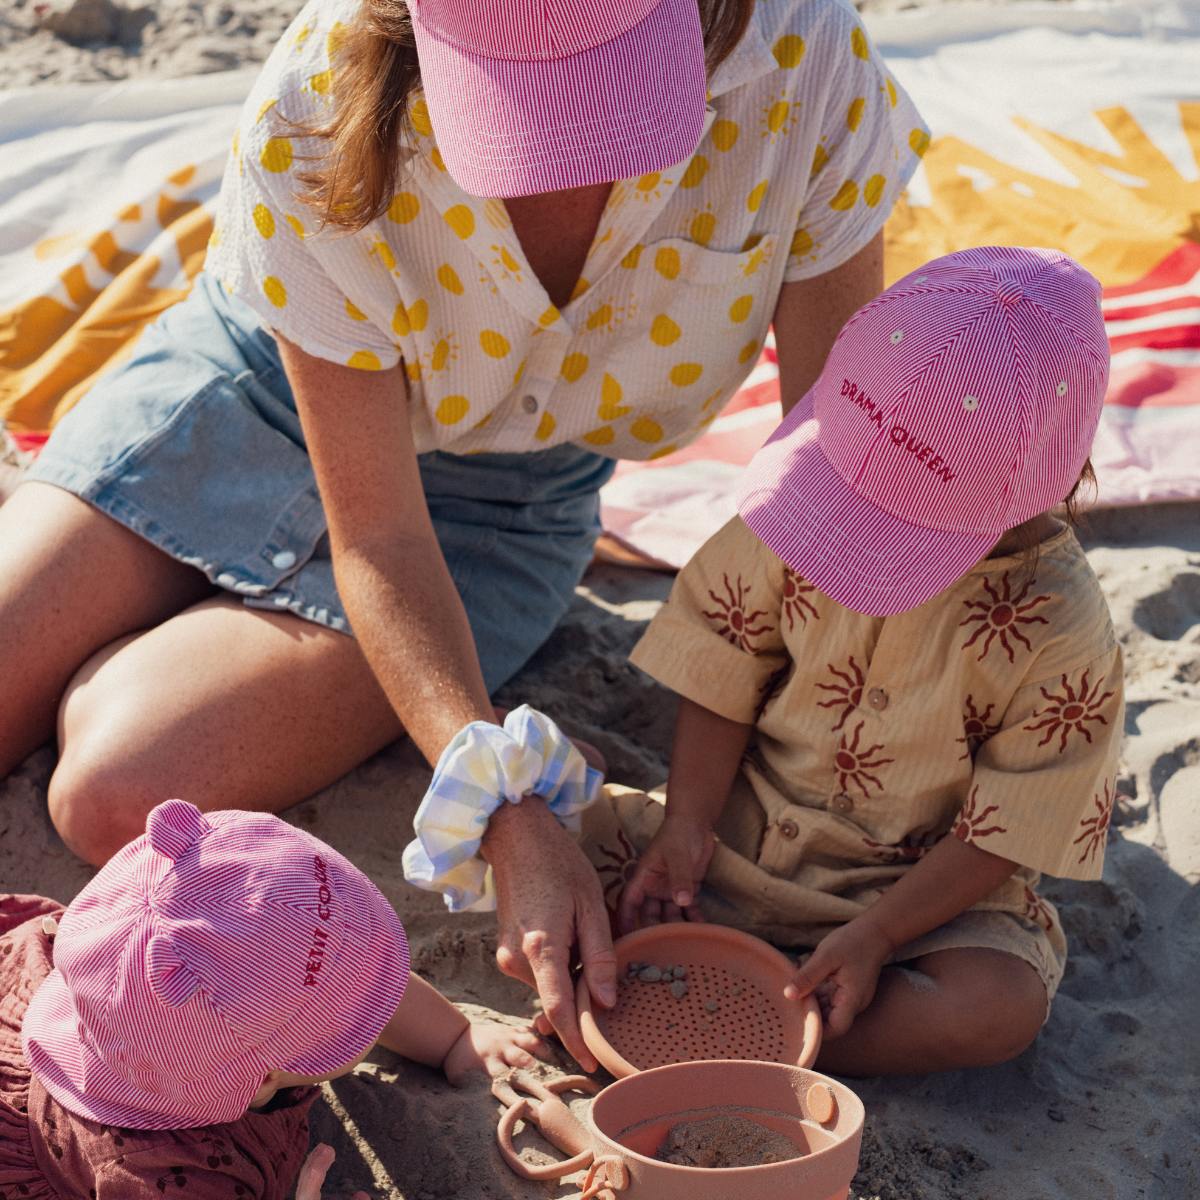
(843, 972)
(664, 883)
(492, 1049)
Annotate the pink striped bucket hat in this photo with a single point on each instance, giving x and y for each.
(958, 404)
(211, 950)
(531, 96)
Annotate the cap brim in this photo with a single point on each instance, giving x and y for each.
(80, 1080)
(856, 553)
(509, 128)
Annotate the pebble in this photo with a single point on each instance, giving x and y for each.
(651, 974)
(679, 989)
(679, 972)
(711, 1006)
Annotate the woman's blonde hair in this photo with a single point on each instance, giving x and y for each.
(376, 74)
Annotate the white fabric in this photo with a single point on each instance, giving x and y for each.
(807, 143)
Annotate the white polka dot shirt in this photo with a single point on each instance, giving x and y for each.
(807, 142)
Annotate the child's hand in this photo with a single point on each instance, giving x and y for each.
(316, 1166)
(492, 1049)
(843, 972)
(663, 885)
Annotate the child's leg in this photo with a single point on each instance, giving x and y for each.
(950, 1009)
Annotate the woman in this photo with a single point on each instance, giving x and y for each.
(432, 321)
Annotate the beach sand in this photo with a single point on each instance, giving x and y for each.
(1102, 1107)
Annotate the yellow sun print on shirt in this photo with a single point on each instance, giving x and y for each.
(444, 352)
(778, 118)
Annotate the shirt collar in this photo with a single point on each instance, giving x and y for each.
(748, 60)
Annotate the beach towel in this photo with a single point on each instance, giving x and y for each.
(1053, 125)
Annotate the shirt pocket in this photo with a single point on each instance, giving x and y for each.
(690, 323)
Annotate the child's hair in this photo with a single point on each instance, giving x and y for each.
(1070, 509)
(377, 72)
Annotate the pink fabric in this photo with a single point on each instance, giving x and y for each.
(208, 952)
(961, 402)
(531, 96)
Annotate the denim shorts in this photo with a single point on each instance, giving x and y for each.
(194, 444)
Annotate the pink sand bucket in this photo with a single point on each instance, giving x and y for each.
(631, 1121)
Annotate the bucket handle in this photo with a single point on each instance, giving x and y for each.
(536, 1101)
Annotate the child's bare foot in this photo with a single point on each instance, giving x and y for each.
(493, 1049)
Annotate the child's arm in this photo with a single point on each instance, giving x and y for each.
(427, 1028)
(704, 760)
(844, 968)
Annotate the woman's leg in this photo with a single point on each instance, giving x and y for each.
(223, 706)
(71, 580)
(947, 1010)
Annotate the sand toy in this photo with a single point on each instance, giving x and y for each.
(796, 1133)
(692, 991)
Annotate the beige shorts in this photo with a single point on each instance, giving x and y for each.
(740, 893)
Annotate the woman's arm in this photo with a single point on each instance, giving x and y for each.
(410, 622)
(810, 314)
(391, 576)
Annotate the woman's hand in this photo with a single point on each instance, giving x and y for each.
(843, 972)
(491, 1048)
(316, 1166)
(549, 904)
(664, 883)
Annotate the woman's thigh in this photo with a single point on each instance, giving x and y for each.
(223, 706)
(71, 580)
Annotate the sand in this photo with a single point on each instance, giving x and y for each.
(1102, 1107)
(722, 1142)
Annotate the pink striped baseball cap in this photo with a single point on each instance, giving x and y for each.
(958, 404)
(210, 951)
(531, 96)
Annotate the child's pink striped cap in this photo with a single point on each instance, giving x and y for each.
(530, 96)
(959, 403)
(213, 949)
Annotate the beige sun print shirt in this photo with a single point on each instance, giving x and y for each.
(807, 142)
(992, 712)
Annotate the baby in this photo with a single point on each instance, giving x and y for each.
(214, 971)
(900, 691)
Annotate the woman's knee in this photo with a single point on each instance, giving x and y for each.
(96, 806)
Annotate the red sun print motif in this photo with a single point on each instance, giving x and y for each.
(997, 618)
(1070, 712)
(1037, 910)
(855, 763)
(1095, 828)
(734, 619)
(616, 868)
(973, 824)
(796, 605)
(847, 690)
(977, 727)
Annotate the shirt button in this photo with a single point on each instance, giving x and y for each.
(789, 829)
(877, 698)
(283, 560)
(842, 803)
(529, 404)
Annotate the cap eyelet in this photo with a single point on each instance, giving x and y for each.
(897, 337)
(1061, 390)
(970, 403)
(921, 279)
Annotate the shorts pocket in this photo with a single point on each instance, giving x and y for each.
(220, 488)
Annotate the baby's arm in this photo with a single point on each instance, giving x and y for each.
(844, 968)
(704, 760)
(427, 1028)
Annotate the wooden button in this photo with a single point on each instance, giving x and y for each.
(789, 830)
(843, 803)
(877, 698)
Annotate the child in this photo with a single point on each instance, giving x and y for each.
(206, 978)
(901, 694)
